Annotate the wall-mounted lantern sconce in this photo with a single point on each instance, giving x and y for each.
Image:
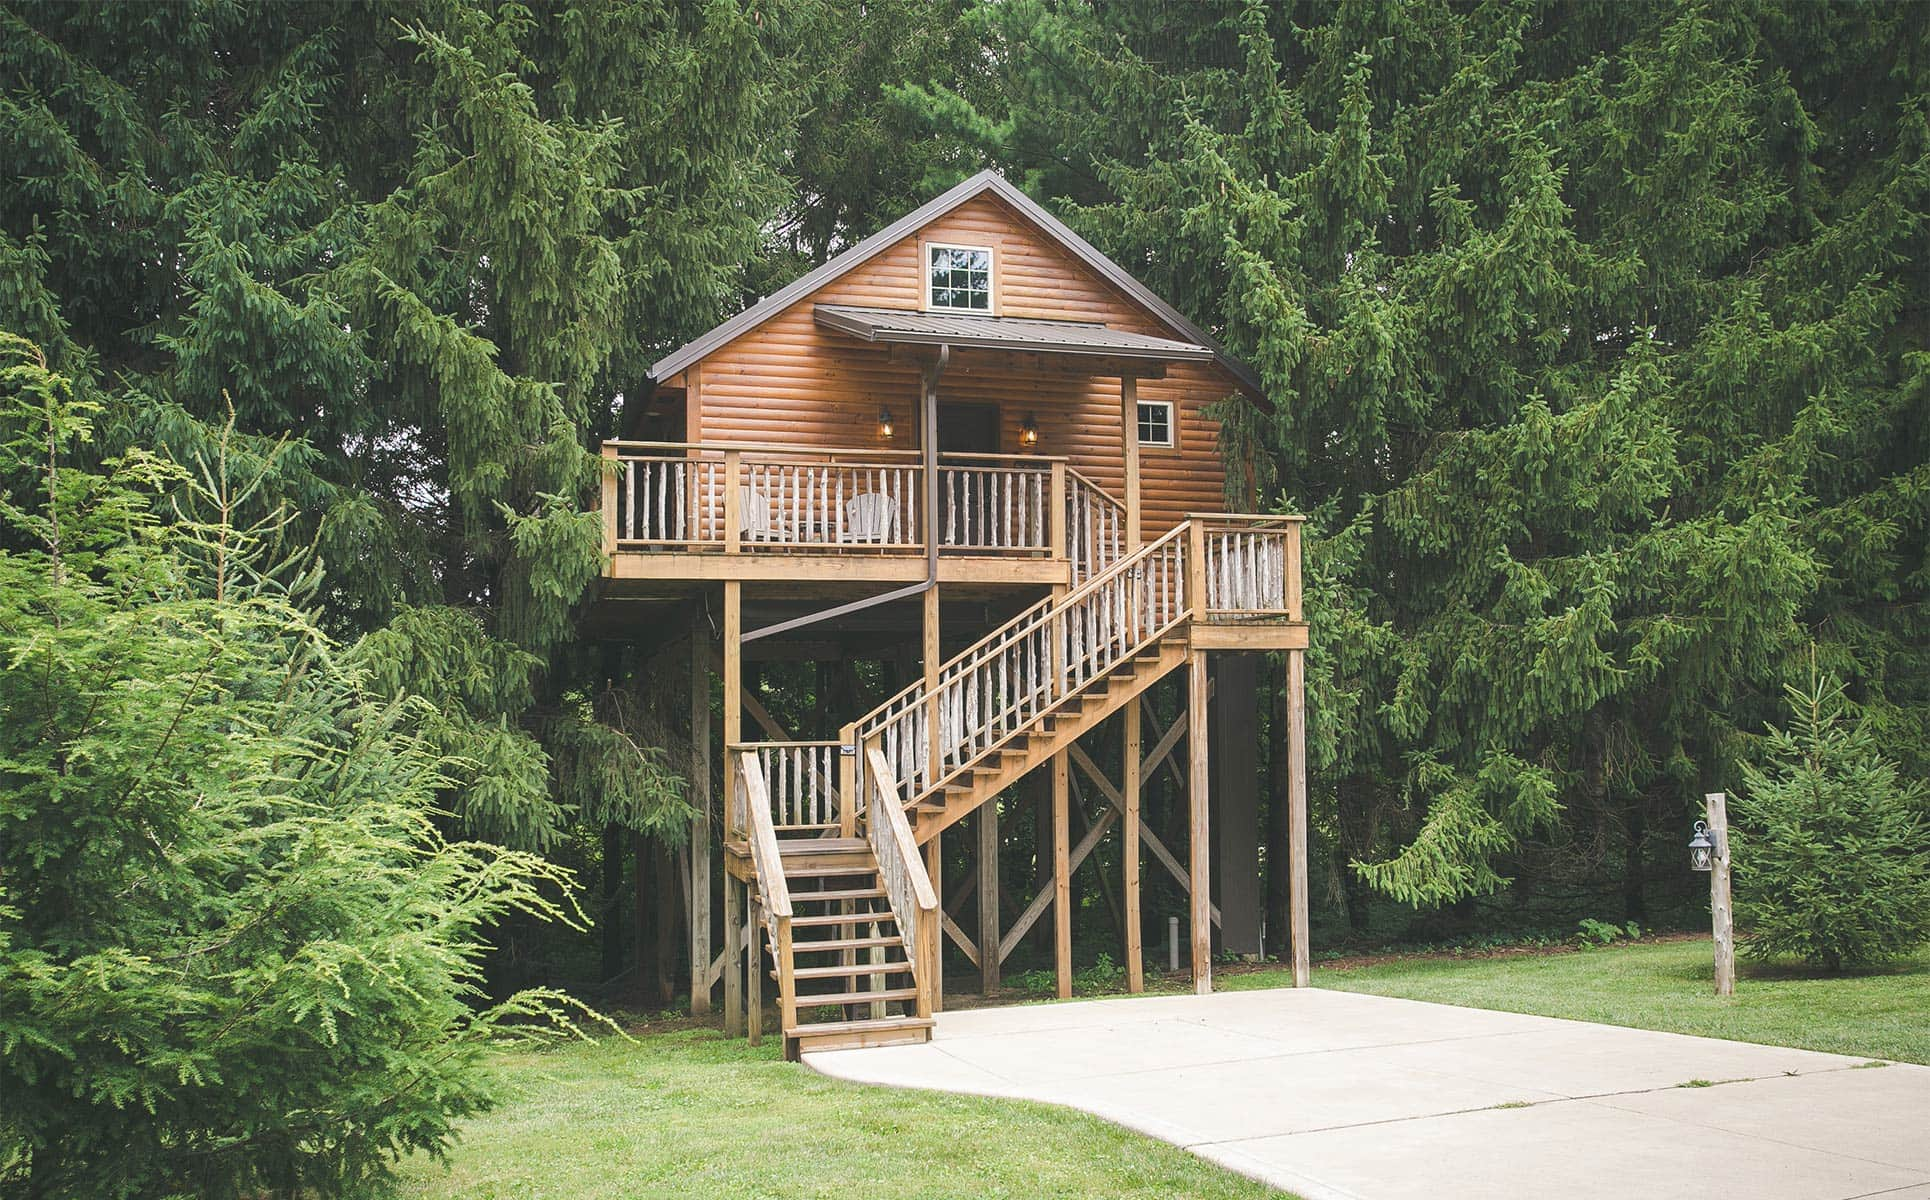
(884, 425)
(1029, 432)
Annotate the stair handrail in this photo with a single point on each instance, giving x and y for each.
(913, 705)
(1104, 542)
(901, 871)
(762, 835)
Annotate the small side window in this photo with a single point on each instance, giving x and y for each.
(1156, 423)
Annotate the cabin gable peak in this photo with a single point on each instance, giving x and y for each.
(910, 225)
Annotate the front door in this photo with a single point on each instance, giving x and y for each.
(968, 429)
(965, 501)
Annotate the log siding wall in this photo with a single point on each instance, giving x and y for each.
(790, 381)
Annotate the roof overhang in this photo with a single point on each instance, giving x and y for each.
(912, 222)
(971, 331)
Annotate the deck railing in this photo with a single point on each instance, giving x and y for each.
(800, 783)
(1095, 525)
(1247, 566)
(902, 875)
(762, 499)
(751, 800)
(1215, 566)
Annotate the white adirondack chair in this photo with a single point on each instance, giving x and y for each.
(871, 517)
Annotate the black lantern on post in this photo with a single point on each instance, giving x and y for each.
(1702, 849)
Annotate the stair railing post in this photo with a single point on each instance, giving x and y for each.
(610, 469)
(733, 501)
(848, 751)
(1057, 512)
(1294, 612)
(1195, 604)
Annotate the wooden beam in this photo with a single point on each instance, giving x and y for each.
(733, 956)
(1198, 898)
(964, 940)
(700, 830)
(935, 871)
(1151, 840)
(733, 693)
(1030, 916)
(1297, 815)
(1061, 874)
(934, 657)
(988, 893)
(1129, 435)
(754, 978)
(1129, 850)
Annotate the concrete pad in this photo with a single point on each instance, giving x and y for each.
(1340, 1096)
(1088, 1050)
(1853, 1112)
(1579, 1150)
(1578, 1059)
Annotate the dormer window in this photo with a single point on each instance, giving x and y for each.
(959, 277)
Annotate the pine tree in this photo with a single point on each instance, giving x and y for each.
(237, 956)
(1832, 849)
(1593, 338)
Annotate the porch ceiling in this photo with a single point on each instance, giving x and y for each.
(970, 331)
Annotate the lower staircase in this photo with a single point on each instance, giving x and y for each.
(850, 962)
(848, 910)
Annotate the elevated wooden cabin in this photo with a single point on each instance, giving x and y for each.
(975, 446)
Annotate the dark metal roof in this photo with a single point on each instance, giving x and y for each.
(971, 330)
(984, 181)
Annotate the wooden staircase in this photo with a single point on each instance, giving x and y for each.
(849, 961)
(852, 921)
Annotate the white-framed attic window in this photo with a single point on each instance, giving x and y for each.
(958, 278)
(1156, 425)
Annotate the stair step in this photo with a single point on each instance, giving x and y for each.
(843, 998)
(858, 918)
(895, 966)
(827, 871)
(837, 845)
(871, 893)
(870, 1025)
(828, 945)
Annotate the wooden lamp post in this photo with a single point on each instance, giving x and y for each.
(1709, 851)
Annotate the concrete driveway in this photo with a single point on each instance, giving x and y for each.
(1335, 1095)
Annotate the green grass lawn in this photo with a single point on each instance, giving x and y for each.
(691, 1114)
(1666, 985)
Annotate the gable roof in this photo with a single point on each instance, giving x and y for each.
(890, 235)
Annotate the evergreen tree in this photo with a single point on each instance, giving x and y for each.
(1594, 338)
(1832, 849)
(237, 957)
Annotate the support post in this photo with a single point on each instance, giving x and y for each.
(1721, 915)
(754, 978)
(1129, 847)
(933, 660)
(935, 871)
(1062, 872)
(1129, 426)
(735, 891)
(1199, 895)
(1297, 815)
(733, 956)
(988, 896)
(700, 830)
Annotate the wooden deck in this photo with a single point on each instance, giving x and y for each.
(676, 512)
